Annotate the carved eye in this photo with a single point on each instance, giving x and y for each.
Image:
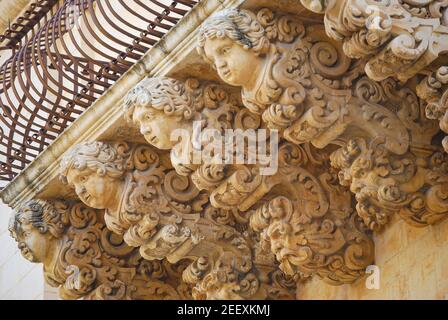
(83, 179)
(225, 50)
(149, 116)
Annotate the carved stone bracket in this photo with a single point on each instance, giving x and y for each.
(85, 260)
(350, 140)
(306, 85)
(433, 89)
(399, 38)
(241, 187)
(164, 215)
(311, 227)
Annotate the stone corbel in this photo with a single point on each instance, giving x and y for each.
(326, 208)
(398, 38)
(167, 217)
(86, 260)
(433, 89)
(310, 225)
(308, 88)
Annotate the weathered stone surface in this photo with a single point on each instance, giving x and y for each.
(84, 259)
(357, 101)
(303, 84)
(167, 217)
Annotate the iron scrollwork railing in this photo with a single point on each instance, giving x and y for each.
(63, 55)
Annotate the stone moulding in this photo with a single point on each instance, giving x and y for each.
(85, 260)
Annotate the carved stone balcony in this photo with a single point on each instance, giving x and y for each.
(343, 103)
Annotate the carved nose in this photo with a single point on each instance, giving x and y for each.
(145, 130)
(80, 190)
(221, 64)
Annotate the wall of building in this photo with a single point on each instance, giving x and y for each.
(412, 264)
(19, 279)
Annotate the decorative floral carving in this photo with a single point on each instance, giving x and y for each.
(311, 227)
(335, 247)
(241, 187)
(434, 91)
(213, 107)
(413, 185)
(318, 211)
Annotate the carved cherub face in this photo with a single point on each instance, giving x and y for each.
(96, 170)
(33, 245)
(36, 229)
(160, 107)
(235, 65)
(156, 126)
(235, 43)
(96, 191)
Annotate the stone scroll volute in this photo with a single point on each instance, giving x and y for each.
(399, 38)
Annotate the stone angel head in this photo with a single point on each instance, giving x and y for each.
(95, 171)
(234, 43)
(36, 226)
(158, 106)
(253, 51)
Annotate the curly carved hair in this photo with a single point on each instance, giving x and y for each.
(42, 215)
(241, 26)
(98, 157)
(163, 94)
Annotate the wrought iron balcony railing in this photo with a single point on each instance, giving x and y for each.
(60, 57)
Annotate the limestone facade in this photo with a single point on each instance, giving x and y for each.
(149, 194)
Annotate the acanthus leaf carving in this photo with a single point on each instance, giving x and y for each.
(398, 37)
(242, 188)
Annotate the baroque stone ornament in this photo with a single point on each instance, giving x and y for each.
(243, 187)
(326, 220)
(398, 38)
(167, 217)
(209, 119)
(303, 84)
(84, 259)
(433, 89)
(304, 216)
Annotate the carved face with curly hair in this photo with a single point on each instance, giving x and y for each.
(158, 106)
(36, 226)
(96, 171)
(234, 42)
